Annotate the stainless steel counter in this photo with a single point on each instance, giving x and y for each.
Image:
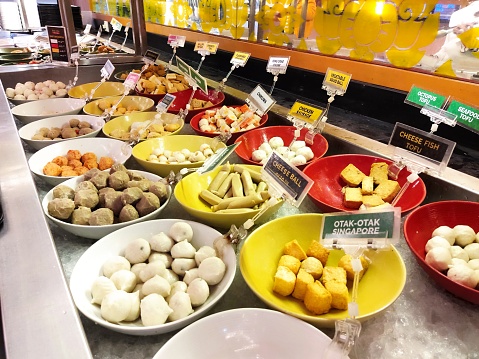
(37, 258)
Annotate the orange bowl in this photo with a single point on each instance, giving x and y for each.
(326, 191)
(420, 224)
(251, 140)
(195, 124)
(182, 98)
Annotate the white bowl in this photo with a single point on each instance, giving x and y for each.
(88, 268)
(36, 110)
(29, 130)
(96, 232)
(119, 151)
(247, 333)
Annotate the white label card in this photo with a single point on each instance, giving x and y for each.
(106, 27)
(75, 53)
(165, 102)
(131, 80)
(277, 64)
(176, 40)
(87, 29)
(115, 24)
(261, 100)
(240, 58)
(107, 69)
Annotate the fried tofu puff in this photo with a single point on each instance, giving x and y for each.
(81, 170)
(105, 163)
(60, 160)
(74, 163)
(73, 155)
(52, 169)
(88, 156)
(91, 163)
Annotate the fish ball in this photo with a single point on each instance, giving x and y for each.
(100, 288)
(181, 265)
(137, 251)
(298, 160)
(39, 86)
(124, 280)
(134, 313)
(28, 92)
(258, 155)
(47, 91)
(53, 87)
(190, 275)
(199, 291)
(459, 252)
(276, 142)
(204, 252)
(30, 85)
(10, 92)
(61, 85)
(115, 306)
(136, 269)
(180, 303)
(439, 258)
(32, 97)
(156, 284)
(20, 89)
(152, 269)
(166, 258)
(19, 97)
(154, 310)
(458, 262)
(445, 232)
(463, 275)
(474, 264)
(178, 286)
(464, 235)
(161, 242)
(307, 152)
(437, 242)
(43, 96)
(171, 276)
(296, 145)
(212, 270)
(266, 148)
(180, 231)
(472, 250)
(183, 249)
(115, 264)
(61, 93)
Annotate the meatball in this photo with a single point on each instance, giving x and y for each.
(62, 191)
(131, 195)
(118, 180)
(101, 217)
(147, 204)
(61, 208)
(128, 213)
(160, 189)
(86, 198)
(81, 216)
(100, 180)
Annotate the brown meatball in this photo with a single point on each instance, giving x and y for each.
(113, 201)
(101, 217)
(118, 180)
(147, 204)
(131, 195)
(143, 184)
(61, 208)
(85, 131)
(160, 189)
(100, 180)
(68, 133)
(102, 193)
(81, 216)
(128, 213)
(74, 122)
(91, 173)
(86, 185)
(117, 167)
(62, 191)
(86, 198)
(53, 133)
(84, 124)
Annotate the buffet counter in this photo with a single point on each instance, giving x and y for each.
(37, 258)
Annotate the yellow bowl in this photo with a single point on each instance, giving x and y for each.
(380, 286)
(139, 102)
(104, 90)
(142, 150)
(187, 193)
(124, 123)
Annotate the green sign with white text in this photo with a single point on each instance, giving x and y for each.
(199, 80)
(421, 98)
(466, 115)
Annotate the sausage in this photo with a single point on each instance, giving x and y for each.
(225, 186)
(255, 176)
(237, 186)
(246, 202)
(210, 197)
(219, 178)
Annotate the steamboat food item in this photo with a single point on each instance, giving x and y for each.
(75, 164)
(156, 294)
(71, 129)
(155, 81)
(165, 156)
(106, 105)
(36, 91)
(298, 152)
(229, 119)
(370, 190)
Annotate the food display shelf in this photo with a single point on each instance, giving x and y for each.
(37, 258)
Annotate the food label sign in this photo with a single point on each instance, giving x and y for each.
(176, 40)
(336, 81)
(466, 115)
(58, 44)
(240, 58)
(150, 57)
(277, 64)
(260, 100)
(420, 98)
(304, 112)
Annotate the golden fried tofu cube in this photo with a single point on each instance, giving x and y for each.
(339, 295)
(302, 280)
(317, 299)
(334, 274)
(284, 281)
(387, 190)
(294, 249)
(379, 172)
(313, 266)
(291, 262)
(367, 185)
(352, 175)
(372, 200)
(317, 250)
(345, 262)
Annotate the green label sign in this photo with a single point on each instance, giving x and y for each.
(359, 225)
(182, 66)
(199, 80)
(466, 115)
(420, 97)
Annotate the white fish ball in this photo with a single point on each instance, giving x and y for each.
(32, 97)
(199, 291)
(101, 286)
(307, 152)
(178, 286)
(472, 250)
(48, 82)
(190, 275)
(290, 155)
(28, 92)
(282, 150)
(134, 313)
(10, 92)
(167, 153)
(115, 306)
(47, 91)
(181, 265)
(276, 142)
(61, 93)
(180, 302)
(39, 86)
(212, 270)
(186, 152)
(474, 264)
(258, 155)
(180, 231)
(163, 159)
(157, 151)
(183, 249)
(136, 269)
(113, 264)
(437, 242)
(265, 146)
(20, 89)
(464, 235)
(204, 252)
(61, 85)
(138, 250)
(154, 310)
(156, 284)
(439, 258)
(164, 257)
(459, 252)
(444, 232)
(53, 87)
(298, 160)
(30, 85)
(204, 146)
(463, 275)
(43, 96)
(152, 158)
(124, 280)
(152, 269)
(171, 276)
(296, 145)
(19, 97)
(458, 262)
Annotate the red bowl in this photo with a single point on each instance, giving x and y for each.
(326, 190)
(420, 224)
(251, 140)
(194, 123)
(182, 98)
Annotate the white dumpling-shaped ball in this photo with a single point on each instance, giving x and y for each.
(181, 265)
(164, 257)
(101, 286)
(183, 249)
(290, 155)
(115, 306)
(199, 291)
(464, 235)
(171, 276)
(19, 97)
(472, 250)
(136, 269)
(47, 91)
(458, 262)
(437, 242)
(459, 252)
(124, 280)
(307, 152)
(180, 231)
(204, 252)
(463, 275)
(266, 148)
(32, 97)
(298, 160)
(61, 93)
(444, 232)
(134, 313)
(178, 286)
(30, 85)
(60, 85)
(276, 142)
(28, 92)
(296, 145)
(212, 270)
(10, 92)
(282, 150)
(180, 302)
(190, 275)
(137, 288)
(152, 269)
(474, 264)
(161, 242)
(138, 250)
(43, 96)
(20, 89)
(439, 258)
(258, 155)
(158, 285)
(154, 310)
(114, 264)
